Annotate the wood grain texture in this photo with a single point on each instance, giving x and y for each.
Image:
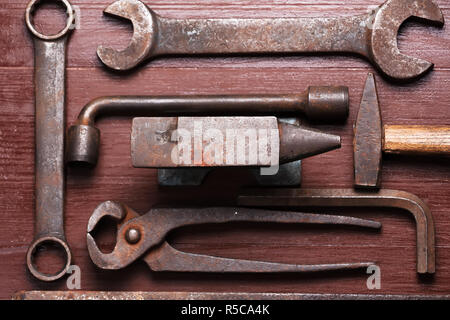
(416, 140)
(425, 102)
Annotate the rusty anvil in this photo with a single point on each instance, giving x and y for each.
(174, 142)
(372, 139)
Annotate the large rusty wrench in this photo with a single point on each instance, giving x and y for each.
(372, 35)
(351, 198)
(49, 64)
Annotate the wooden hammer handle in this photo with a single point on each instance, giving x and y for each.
(420, 140)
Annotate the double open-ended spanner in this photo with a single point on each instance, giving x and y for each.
(49, 64)
(372, 35)
(143, 236)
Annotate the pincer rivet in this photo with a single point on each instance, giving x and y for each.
(133, 235)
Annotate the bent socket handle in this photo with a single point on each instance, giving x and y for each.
(417, 140)
(324, 104)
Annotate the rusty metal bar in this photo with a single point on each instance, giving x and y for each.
(145, 295)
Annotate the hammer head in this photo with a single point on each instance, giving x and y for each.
(384, 24)
(367, 142)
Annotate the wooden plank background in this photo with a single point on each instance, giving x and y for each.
(426, 101)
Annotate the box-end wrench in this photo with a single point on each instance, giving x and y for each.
(49, 64)
(373, 36)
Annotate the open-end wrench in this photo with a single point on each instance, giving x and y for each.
(49, 64)
(372, 35)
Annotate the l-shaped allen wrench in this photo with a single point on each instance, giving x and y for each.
(354, 198)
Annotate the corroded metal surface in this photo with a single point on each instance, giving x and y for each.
(288, 174)
(317, 103)
(351, 198)
(367, 153)
(223, 142)
(153, 227)
(145, 295)
(50, 55)
(372, 35)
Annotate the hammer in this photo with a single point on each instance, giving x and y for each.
(372, 139)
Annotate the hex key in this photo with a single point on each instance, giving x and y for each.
(354, 198)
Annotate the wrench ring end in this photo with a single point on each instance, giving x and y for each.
(32, 249)
(70, 19)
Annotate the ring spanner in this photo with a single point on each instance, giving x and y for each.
(49, 64)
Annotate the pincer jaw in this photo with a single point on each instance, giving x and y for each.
(111, 260)
(106, 209)
(107, 261)
(143, 40)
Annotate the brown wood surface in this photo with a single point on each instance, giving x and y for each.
(425, 102)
